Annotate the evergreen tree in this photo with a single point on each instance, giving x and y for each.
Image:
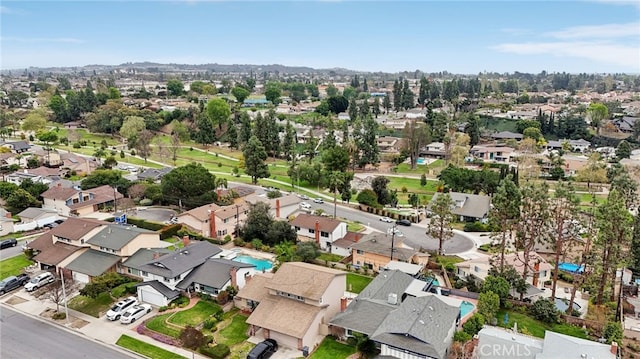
(254, 160)
(353, 109)
(504, 214)
(473, 130)
(289, 142)
(407, 96)
(386, 103)
(364, 109)
(397, 96)
(245, 129)
(376, 107)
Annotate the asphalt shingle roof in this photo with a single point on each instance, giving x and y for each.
(116, 236)
(93, 262)
(169, 293)
(215, 272)
(175, 263)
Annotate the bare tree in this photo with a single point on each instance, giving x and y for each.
(416, 135)
(174, 147)
(439, 226)
(143, 144)
(56, 293)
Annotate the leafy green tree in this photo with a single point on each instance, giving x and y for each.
(474, 324)
(205, 133)
(353, 109)
(335, 159)
(285, 251)
(258, 222)
(367, 142)
(192, 185)
(273, 93)
(623, 150)
(332, 90)
(114, 94)
(289, 142)
(505, 214)
(416, 136)
(376, 107)
(423, 180)
(386, 104)
(35, 121)
(132, 126)
(497, 285)
(307, 251)
(488, 304)
(34, 188)
(20, 200)
(439, 226)
(240, 93)
(280, 231)
(367, 197)
(254, 160)
(338, 104)
(612, 332)
(472, 128)
(597, 112)
(60, 108)
(218, 111)
(544, 310)
(175, 87)
(6, 189)
(379, 186)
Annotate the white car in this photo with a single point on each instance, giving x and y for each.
(39, 281)
(116, 311)
(134, 313)
(305, 205)
(386, 219)
(395, 231)
(318, 200)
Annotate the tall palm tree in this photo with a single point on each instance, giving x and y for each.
(335, 181)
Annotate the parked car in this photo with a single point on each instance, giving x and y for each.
(305, 205)
(59, 221)
(13, 283)
(38, 281)
(263, 349)
(403, 222)
(386, 219)
(11, 242)
(116, 311)
(304, 196)
(318, 200)
(134, 313)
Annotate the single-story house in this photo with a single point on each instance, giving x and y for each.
(373, 252)
(538, 273)
(469, 207)
(154, 174)
(506, 135)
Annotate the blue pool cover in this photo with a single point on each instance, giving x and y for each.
(571, 267)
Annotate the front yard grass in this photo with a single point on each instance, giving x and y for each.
(354, 227)
(146, 349)
(235, 332)
(121, 290)
(13, 266)
(92, 306)
(536, 327)
(331, 349)
(158, 324)
(330, 257)
(196, 314)
(356, 283)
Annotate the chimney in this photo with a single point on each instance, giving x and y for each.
(614, 348)
(185, 240)
(212, 224)
(156, 255)
(234, 280)
(343, 304)
(357, 237)
(536, 273)
(8, 215)
(59, 184)
(317, 233)
(277, 208)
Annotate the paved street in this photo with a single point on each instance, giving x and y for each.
(25, 337)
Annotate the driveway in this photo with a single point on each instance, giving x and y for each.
(153, 214)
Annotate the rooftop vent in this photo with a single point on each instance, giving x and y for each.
(392, 298)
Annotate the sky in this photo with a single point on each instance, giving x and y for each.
(465, 37)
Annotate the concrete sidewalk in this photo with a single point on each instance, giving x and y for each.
(100, 330)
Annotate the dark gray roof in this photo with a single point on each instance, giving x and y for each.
(19, 145)
(380, 243)
(473, 205)
(169, 293)
(115, 236)
(420, 325)
(369, 309)
(143, 255)
(154, 173)
(507, 134)
(175, 263)
(93, 262)
(215, 272)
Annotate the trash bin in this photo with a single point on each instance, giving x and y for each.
(305, 351)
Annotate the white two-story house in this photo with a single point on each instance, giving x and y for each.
(322, 230)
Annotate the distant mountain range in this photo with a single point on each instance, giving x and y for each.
(153, 66)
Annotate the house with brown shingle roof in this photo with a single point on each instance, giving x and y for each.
(323, 230)
(76, 202)
(227, 218)
(300, 300)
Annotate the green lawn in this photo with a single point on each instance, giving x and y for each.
(537, 328)
(354, 227)
(420, 169)
(158, 324)
(13, 266)
(90, 306)
(356, 283)
(146, 349)
(330, 257)
(235, 332)
(196, 314)
(331, 349)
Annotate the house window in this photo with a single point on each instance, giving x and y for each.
(297, 228)
(359, 251)
(166, 279)
(312, 231)
(544, 273)
(358, 262)
(225, 220)
(176, 278)
(324, 234)
(145, 274)
(476, 269)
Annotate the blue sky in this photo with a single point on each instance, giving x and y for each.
(455, 36)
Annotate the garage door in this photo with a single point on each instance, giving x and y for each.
(80, 277)
(284, 340)
(148, 295)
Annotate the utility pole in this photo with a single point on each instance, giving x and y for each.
(115, 202)
(64, 295)
(393, 237)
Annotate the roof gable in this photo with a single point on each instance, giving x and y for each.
(303, 279)
(326, 224)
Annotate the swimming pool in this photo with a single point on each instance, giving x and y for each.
(570, 267)
(261, 264)
(466, 308)
(563, 304)
(421, 161)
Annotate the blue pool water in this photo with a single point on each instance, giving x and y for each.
(261, 264)
(570, 267)
(435, 282)
(421, 161)
(466, 308)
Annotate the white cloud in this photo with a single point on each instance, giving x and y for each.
(603, 52)
(598, 31)
(68, 40)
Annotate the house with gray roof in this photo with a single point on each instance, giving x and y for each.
(403, 325)
(216, 275)
(469, 207)
(17, 146)
(40, 216)
(506, 135)
(92, 263)
(154, 174)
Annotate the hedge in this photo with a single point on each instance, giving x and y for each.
(141, 223)
(170, 231)
(183, 232)
(220, 351)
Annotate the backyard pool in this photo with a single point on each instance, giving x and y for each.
(563, 304)
(570, 267)
(261, 264)
(421, 161)
(466, 308)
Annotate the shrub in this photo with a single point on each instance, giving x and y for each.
(163, 309)
(170, 230)
(77, 145)
(612, 332)
(368, 197)
(146, 202)
(59, 315)
(461, 337)
(192, 338)
(238, 242)
(219, 351)
(474, 324)
(274, 194)
(544, 310)
(209, 324)
(181, 302)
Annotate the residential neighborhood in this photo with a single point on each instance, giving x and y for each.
(345, 210)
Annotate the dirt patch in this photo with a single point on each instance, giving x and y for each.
(73, 321)
(15, 300)
(77, 322)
